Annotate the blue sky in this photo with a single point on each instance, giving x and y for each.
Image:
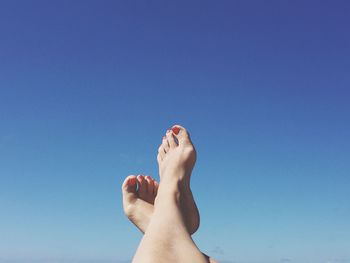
(87, 89)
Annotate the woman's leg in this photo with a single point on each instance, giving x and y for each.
(166, 238)
(139, 193)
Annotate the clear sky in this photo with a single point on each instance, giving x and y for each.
(88, 88)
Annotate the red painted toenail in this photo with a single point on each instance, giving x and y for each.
(132, 181)
(175, 130)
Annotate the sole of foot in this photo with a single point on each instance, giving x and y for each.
(139, 193)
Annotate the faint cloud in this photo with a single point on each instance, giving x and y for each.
(218, 250)
(285, 260)
(126, 158)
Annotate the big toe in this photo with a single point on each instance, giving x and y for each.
(181, 134)
(129, 189)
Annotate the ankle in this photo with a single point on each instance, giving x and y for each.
(172, 192)
(174, 184)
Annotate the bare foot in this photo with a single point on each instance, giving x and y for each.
(139, 192)
(176, 159)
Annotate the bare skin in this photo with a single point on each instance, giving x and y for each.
(167, 238)
(139, 193)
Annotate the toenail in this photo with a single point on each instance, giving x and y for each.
(175, 130)
(132, 181)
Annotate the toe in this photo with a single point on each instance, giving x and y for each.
(161, 152)
(129, 193)
(129, 185)
(155, 188)
(165, 144)
(181, 134)
(142, 187)
(159, 158)
(150, 189)
(171, 139)
(149, 183)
